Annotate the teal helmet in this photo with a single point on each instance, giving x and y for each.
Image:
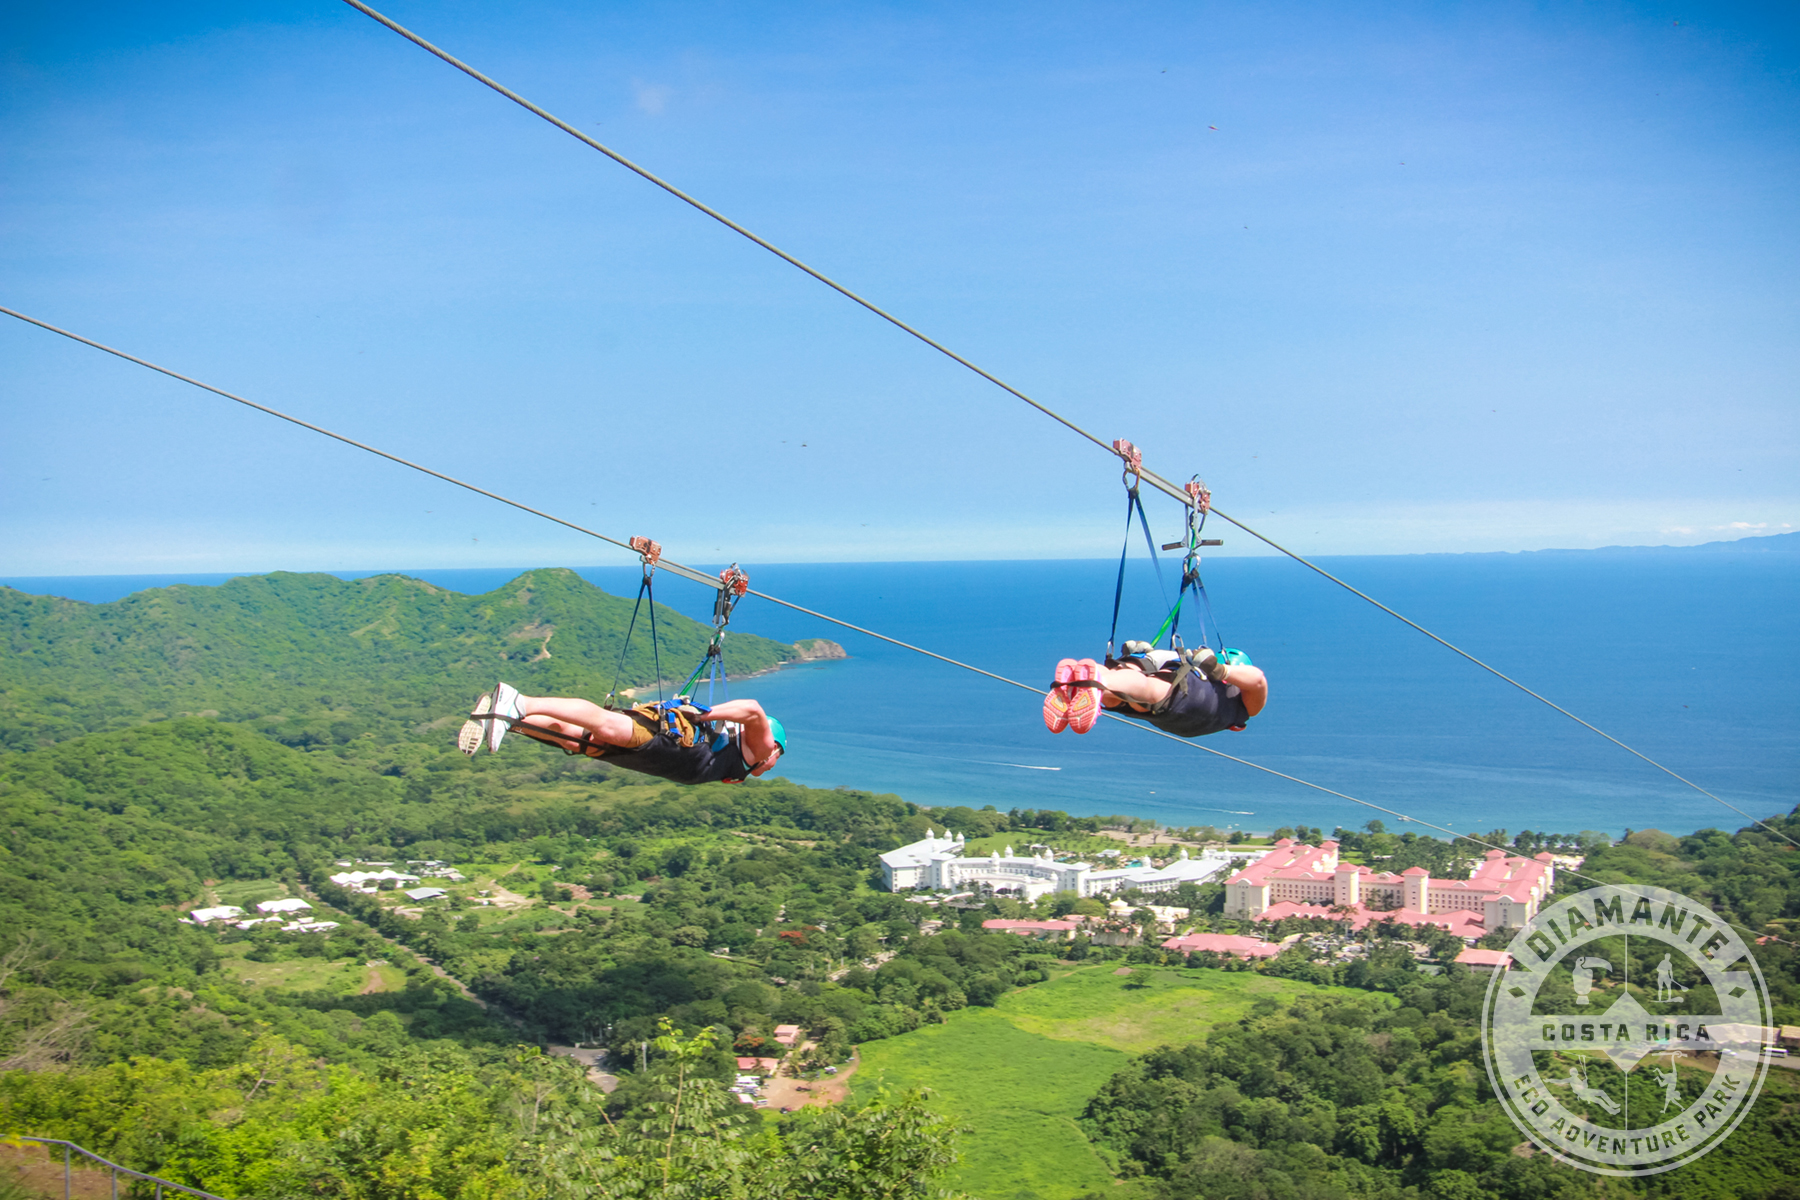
(779, 731)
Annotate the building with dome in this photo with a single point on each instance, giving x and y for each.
(937, 863)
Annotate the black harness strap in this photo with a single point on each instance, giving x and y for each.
(1133, 505)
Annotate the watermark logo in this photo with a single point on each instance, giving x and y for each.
(1631, 1033)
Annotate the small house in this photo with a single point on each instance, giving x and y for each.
(206, 916)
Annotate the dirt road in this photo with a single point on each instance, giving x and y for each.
(816, 1093)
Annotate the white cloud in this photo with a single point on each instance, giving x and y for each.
(652, 98)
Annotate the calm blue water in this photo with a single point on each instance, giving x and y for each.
(1691, 658)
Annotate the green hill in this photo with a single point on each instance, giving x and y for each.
(317, 660)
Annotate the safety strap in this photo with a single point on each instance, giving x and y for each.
(1134, 505)
(651, 553)
(619, 670)
(733, 585)
(1190, 571)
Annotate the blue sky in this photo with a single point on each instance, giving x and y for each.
(1391, 277)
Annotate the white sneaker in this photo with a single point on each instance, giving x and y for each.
(505, 705)
(473, 733)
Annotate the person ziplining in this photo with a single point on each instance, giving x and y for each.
(1185, 692)
(665, 738)
(1189, 693)
(1161, 484)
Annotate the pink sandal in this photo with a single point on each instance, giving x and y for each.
(1060, 697)
(1084, 709)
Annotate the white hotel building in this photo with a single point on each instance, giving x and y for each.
(937, 863)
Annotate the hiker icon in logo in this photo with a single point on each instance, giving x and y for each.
(1666, 991)
(1566, 1025)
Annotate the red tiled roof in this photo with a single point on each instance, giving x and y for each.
(1223, 943)
(1463, 922)
(1484, 958)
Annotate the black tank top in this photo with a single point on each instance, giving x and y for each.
(666, 758)
(1196, 707)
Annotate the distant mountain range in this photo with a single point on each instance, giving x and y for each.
(1775, 543)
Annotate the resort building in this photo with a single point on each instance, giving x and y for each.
(1295, 879)
(938, 863)
(909, 866)
(1208, 865)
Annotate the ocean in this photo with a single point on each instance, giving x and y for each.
(1691, 658)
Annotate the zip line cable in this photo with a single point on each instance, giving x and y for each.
(706, 580)
(676, 568)
(714, 213)
(1155, 480)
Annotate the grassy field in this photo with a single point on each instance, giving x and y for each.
(345, 976)
(247, 893)
(1018, 1093)
(1092, 1004)
(1019, 1074)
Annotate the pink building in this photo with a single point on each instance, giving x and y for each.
(1463, 923)
(1503, 892)
(1484, 962)
(1223, 943)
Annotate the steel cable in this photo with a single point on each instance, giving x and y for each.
(709, 581)
(1157, 481)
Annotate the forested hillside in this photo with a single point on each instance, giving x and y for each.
(130, 1030)
(317, 660)
(400, 1051)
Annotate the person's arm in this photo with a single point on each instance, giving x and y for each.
(758, 740)
(744, 712)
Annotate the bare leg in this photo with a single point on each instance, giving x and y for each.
(1143, 691)
(1131, 685)
(570, 718)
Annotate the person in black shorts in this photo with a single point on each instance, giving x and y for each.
(1188, 694)
(676, 741)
